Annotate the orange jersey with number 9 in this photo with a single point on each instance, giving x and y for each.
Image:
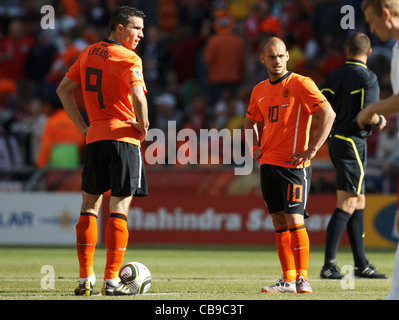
(107, 71)
(285, 107)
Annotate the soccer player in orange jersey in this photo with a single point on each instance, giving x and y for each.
(285, 103)
(111, 77)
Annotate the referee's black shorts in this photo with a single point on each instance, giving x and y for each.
(285, 189)
(349, 157)
(114, 165)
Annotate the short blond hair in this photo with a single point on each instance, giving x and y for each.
(378, 5)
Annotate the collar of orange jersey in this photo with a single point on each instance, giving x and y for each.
(356, 62)
(111, 41)
(280, 79)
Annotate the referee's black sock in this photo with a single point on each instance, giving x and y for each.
(335, 230)
(355, 230)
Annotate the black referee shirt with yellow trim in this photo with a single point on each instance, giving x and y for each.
(350, 88)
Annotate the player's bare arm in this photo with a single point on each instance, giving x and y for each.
(326, 116)
(384, 107)
(140, 109)
(65, 93)
(254, 143)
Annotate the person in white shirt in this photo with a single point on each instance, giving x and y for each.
(383, 19)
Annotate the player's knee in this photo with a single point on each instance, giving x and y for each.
(349, 205)
(279, 220)
(294, 219)
(361, 202)
(91, 203)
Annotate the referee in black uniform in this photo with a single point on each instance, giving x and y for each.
(350, 88)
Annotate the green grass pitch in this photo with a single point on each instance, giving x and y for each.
(185, 273)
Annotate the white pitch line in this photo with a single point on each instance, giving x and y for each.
(167, 280)
(161, 294)
(73, 296)
(147, 294)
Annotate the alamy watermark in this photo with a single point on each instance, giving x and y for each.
(208, 146)
(348, 281)
(48, 17)
(48, 280)
(348, 20)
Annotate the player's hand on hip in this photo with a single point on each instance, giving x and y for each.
(139, 127)
(84, 132)
(256, 154)
(298, 158)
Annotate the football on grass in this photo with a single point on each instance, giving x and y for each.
(136, 276)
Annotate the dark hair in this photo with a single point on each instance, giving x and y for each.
(122, 16)
(358, 44)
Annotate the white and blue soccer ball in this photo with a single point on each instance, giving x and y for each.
(136, 276)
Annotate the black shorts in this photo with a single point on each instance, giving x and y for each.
(114, 165)
(349, 156)
(285, 189)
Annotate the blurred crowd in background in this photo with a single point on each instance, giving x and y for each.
(200, 63)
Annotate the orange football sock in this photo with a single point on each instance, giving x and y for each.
(300, 249)
(283, 245)
(86, 239)
(116, 237)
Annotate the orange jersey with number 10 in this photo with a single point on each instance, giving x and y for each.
(285, 107)
(107, 71)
